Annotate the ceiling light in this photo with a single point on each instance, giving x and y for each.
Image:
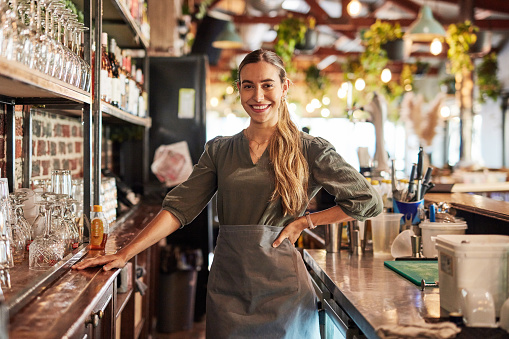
(436, 47)
(354, 8)
(228, 38)
(426, 27)
(386, 75)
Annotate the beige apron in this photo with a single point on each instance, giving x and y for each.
(257, 291)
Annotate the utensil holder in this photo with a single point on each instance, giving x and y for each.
(333, 234)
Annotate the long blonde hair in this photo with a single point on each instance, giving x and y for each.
(285, 148)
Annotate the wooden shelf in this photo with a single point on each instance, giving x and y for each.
(122, 300)
(118, 114)
(115, 17)
(18, 82)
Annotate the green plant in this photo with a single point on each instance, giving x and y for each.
(374, 58)
(487, 81)
(290, 32)
(460, 37)
(317, 82)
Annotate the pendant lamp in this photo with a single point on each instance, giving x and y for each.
(228, 38)
(426, 27)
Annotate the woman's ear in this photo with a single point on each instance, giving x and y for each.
(286, 86)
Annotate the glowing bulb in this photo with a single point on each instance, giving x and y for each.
(214, 102)
(342, 93)
(435, 47)
(360, 84)
(386, 75)
(445, 112)
(354, 8)
(316, 103)
(292, 107)
(325, 100)
(310, 108)
(325, 112)
(408, 87)
(229, 90)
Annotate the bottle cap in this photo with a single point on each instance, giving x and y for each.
(104, 38)
(98, 208)
(375, 182)
(113, 45)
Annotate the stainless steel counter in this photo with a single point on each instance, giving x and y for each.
(371, 294)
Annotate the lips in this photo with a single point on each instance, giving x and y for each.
(259, 108)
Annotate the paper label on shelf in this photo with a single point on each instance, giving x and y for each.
(186, 103)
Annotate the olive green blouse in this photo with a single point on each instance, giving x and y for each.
(244, 189)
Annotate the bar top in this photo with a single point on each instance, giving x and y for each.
(64, 306)
(370, 293)
(473, 203)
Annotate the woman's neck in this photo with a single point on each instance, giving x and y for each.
(260, 134)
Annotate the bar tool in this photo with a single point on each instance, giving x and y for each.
(424, 284)
(416, 246)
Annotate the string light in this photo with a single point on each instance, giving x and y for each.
(360, 84)
(445, 112)
(229, 90)
(386, 75)
(436, 46)
(354, 8)
(214, 102)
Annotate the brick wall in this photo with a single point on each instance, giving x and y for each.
(57, 143)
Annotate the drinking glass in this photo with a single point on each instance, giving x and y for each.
(46, 250)
(28, 34)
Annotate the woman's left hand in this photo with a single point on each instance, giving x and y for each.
(291, 232)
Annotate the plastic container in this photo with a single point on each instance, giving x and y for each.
(429, 230)
(409, 209)
(384, 228)
(472, 261)
(99, 229)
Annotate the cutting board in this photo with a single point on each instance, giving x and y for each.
(416, 270)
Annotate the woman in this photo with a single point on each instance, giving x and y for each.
(264, 177)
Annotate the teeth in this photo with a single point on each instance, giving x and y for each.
(260, 107)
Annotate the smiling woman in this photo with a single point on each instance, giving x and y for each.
(264, 177)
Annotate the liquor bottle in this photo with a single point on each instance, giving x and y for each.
(106, 75)
(99, 229)
(121, 77)
(115, 80)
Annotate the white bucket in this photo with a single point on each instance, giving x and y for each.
(429, 230)
(472, 261)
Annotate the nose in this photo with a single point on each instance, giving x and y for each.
(258, 94)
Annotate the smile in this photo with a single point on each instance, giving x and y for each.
(260, 107)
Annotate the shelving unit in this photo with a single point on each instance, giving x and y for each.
(20, 85)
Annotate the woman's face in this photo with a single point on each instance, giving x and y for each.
(261, 91)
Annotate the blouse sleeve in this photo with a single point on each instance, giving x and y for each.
(189, 198)
(351, 190)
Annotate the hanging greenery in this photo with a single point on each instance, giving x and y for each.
(317, 83)
(487, 81)
(290, 32)
(460, 37)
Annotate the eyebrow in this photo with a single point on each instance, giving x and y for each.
(265, 80)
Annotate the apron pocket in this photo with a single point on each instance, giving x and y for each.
(247, 266)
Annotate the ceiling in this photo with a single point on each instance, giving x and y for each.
(339, 34)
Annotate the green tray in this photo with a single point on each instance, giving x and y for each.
(415, 270)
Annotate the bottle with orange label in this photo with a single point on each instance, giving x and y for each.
(99, 229)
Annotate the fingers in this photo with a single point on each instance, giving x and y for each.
(279, 240)
(98, 261)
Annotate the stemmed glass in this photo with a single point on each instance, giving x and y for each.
(57, 62)
(6, 258)
(28, 34)
(10, 41)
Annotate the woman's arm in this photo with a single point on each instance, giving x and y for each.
(163, 224)
(293, 230)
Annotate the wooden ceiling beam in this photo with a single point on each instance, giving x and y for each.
(500, 6)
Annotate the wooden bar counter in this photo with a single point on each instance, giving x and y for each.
(77, 304)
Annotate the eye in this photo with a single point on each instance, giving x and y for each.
(247, 86)
(268, 85)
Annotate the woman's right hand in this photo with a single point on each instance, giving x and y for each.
(109, 261)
